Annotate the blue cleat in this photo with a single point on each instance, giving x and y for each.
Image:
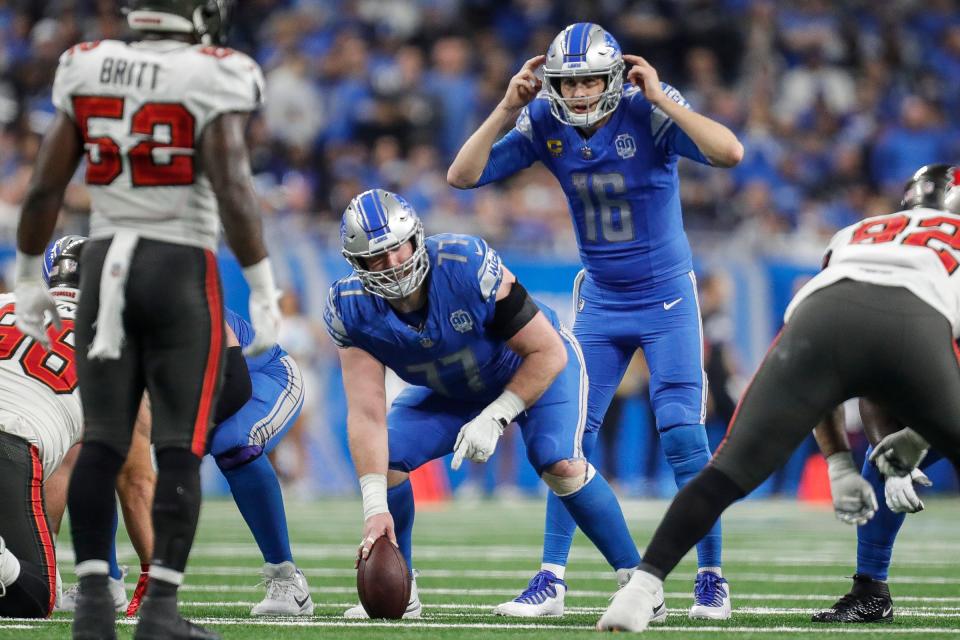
(543, 597)
(711, 597)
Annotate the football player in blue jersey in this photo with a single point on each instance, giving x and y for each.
(615, 152)
(450, 319)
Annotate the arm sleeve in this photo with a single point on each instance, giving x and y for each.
(511, 153)
(670, 138)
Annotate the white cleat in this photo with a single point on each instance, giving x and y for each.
(287, 592)
(118, 591)
(711, 597)
(632, 607)
(542, 597)
(414, 608)
(659, 615)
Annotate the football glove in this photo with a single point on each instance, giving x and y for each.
(264, 307)
(899, 453)
(33, 299)
(854, 501)
(478, 438)
(901, 496)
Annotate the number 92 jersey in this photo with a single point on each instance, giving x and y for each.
(917, 249)
(452, 352)
(39, 399)
(141, 109)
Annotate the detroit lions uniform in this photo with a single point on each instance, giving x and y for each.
(456, 367)
(637, 289)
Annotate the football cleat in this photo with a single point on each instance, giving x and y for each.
(160, 620)
(94, 614)
(659, 614)
(542, 597)
(868, 601)
(632, 608)
(287, 592)
(414, 609)
(116, 587)
(138, 593)
(711, 597)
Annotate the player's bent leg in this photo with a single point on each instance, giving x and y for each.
(135, 487)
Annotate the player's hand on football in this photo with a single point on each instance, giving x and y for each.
(375, 526)
(265, 319)
(525, 85)
(477, 440)
(854, 501)
(33, 303)
(899, 453)
(901, 496)
(643, 75)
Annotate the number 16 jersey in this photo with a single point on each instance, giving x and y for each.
(141, 109)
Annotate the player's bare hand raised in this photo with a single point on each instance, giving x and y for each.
(374, 527)
(524, 86)
(643, 75)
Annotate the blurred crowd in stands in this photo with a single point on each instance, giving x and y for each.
(836, 102)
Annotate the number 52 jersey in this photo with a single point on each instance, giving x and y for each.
(141, 109)
(917, 249)
(39, 399)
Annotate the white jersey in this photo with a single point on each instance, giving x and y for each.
(141, 109)
(917, 249)
(39, 398)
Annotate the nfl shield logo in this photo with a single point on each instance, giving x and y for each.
(626, 147)
(461, 321)
(426, 342)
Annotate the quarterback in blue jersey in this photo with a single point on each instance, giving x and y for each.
(614, 151)
(450, 319)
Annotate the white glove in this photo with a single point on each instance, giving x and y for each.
(33, 299)
(899, 453)
(264, 307)
(900, 494)
(854, 501)
(478, 438)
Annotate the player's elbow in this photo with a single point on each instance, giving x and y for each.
(731, 155)
(556, 356)
(459, 179)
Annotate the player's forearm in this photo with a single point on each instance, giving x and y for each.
(715, 141)
(38, 218)
(536, 373)
(830, 434)
(242, 225)
(472, 158)
(877, 423)
(368, 445)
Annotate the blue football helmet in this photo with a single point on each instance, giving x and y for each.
(61, 262)
(583, 49)
(376, 222)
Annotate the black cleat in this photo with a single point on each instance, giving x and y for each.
(95, 616)
(160, 620)
(868, 601)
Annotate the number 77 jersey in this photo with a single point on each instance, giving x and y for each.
(917, 249)
(141, 109)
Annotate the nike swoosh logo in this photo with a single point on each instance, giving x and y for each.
(887, 611)
(300, 603)
(670, 305)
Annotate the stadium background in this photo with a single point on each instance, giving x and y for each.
(836, 104)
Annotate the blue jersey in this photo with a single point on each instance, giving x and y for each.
(621, 184)
(452, 352)
(244, 332)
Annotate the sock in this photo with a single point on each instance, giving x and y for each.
(400, 503)
(875, 539)
(92, 502)
(597, 512)
(115, 572)
(691, 515)
(256, 490)
(687, 451)
(157, 588)
(176, 508)
(715, 570)
(556, 569)
(559, 526)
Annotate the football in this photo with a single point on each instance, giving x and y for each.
(383, 581)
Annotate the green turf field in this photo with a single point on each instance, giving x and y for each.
(783, 559)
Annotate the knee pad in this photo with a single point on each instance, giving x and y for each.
(671, 415)
(238, 456)
(685, 445)
(568, 485)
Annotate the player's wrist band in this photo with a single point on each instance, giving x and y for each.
(507, 406)
(259, 277)
(841, 462)
(28, 268)
(373, 488)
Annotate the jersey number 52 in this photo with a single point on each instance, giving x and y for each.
(162, 158)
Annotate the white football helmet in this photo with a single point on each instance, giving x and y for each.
(583, 49)
(378, 221)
